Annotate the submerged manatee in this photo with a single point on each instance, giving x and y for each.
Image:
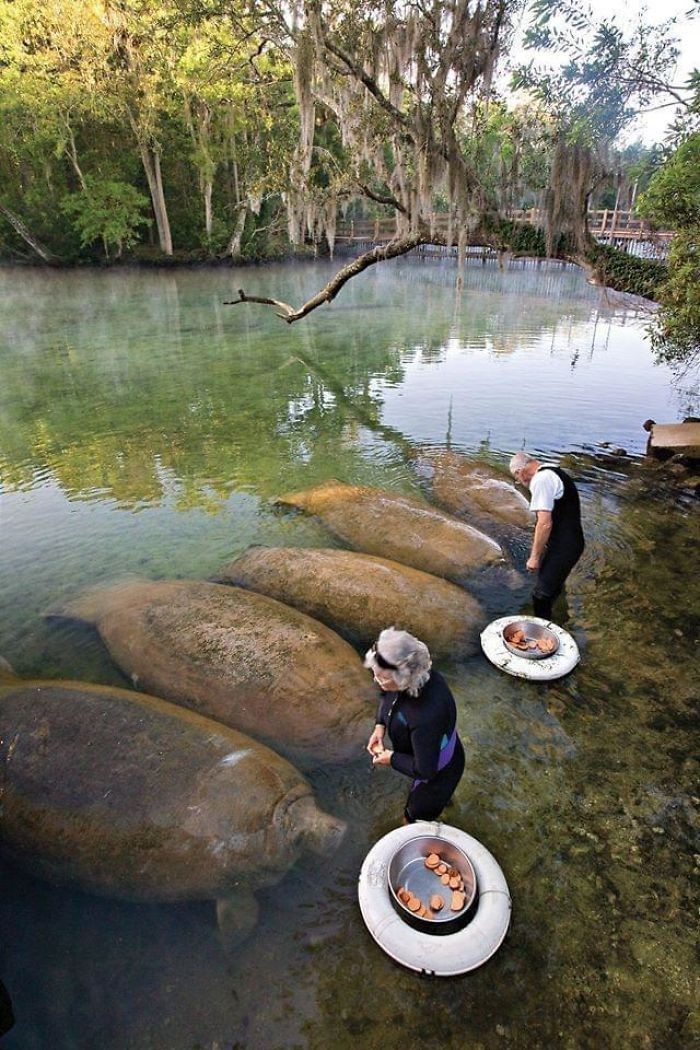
(361, 594)
(398, 527)
(475, 488)
(128, 796)
(243, 659)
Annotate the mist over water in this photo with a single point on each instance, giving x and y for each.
(145, 429)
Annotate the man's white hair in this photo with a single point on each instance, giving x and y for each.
(520, 460)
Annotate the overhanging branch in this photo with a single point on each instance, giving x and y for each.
(380, 253)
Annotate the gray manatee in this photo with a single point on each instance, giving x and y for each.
(125, 795)
(362, 594)
(405, 530)
(472, 487)
(238, 657)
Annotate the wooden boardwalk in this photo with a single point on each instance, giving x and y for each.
(667, 439)
(608, 226)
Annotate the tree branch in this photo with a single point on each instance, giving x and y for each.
(369, 82)
(286, 309)
(26, 234)
(380, 253)
(327, 294)
(379, 198)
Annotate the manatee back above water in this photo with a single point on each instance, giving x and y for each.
(400, 528)
(362, 594)
(245, 660)
(126, 795)
(472, 487)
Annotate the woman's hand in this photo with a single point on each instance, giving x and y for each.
(382, 758)
(376, 741)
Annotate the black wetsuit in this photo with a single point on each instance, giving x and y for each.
(426, 746)
(564, 548)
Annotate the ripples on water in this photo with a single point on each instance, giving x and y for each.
(145, 428)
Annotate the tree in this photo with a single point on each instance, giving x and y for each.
(402, 83)
(673, 200)
(411, 87)
(605, 75)
(109, 211)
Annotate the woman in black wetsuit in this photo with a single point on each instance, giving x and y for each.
(418, 711)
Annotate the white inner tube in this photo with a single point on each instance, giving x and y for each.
(555, 666)
(445, 955)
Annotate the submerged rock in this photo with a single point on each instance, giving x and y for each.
(363, 594)
(128, 796)
(238, 657)
(400, 528)
(472, 487)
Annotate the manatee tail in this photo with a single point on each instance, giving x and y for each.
(236, 917)
(93, 602)
(309, 499)
(291, 499)
(227, 572)
(86, 606)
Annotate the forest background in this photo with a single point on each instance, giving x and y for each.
(225, 130)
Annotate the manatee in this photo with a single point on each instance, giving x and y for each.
(472, 487)
(126, 795)
(238, 657)
(398, 527)
(361, 594)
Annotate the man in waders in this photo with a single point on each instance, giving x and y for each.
(558, 541)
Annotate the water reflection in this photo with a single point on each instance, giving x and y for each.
(143, 428)
(114, 383)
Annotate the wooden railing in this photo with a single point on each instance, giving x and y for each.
(606, 225)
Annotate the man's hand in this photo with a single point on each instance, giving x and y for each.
(376, 741)
(532, 564)
(382, 758)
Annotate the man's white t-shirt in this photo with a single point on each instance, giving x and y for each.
(545, 487)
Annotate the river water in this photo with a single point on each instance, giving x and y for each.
(146, 428)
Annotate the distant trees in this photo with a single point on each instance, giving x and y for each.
(98, 97)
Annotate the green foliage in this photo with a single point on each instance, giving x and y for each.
(520, 237)
(673, 199)
(626, 273)
(675, 335)
(100, 93)
(109, 211)
(673, 196)
(609, 70)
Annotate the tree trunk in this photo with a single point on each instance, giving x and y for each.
(73, 156)
(198, 119)
(234, 245)
(26, 234)
(208, 187)
(151, 165)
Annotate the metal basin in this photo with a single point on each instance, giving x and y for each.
(407, 869)
(533, 633)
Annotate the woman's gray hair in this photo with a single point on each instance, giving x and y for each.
(410, 656)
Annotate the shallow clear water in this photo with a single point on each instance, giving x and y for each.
(145, 428)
